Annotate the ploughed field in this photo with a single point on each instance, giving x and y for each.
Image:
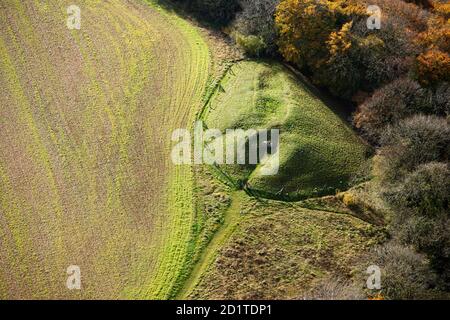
(86, 175)
(86, 118)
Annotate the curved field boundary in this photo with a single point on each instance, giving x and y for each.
(177, 247)
(85, 171)
(232, 218)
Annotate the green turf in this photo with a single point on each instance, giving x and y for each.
(318, 151)
(278, 250)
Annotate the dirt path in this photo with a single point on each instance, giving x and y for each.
(232, 218)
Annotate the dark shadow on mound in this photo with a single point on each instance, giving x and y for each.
(340, 107)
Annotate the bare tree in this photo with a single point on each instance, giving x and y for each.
(258, 18)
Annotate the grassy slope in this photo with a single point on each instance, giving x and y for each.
(229, 222)
(319, 151)
(85, 173)
(272, 249)
(281, 250)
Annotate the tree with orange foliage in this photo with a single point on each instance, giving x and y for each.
(433, 66)
(316, 36)
(437, 34)
(423, 3)
(304, 27)
(442, 9)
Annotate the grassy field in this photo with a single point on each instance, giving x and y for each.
(265, 249)
(318, 151)
(279, 250)
(85, 174)
(86, 178)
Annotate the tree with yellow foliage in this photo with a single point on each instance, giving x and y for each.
(343, 72)
(317, 36)
(304, 28)
(433, 67)
(340, 41)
